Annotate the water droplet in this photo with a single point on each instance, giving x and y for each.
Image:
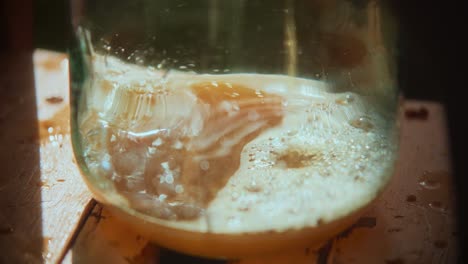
(430, 184)
(436, 205)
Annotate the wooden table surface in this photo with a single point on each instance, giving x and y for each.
(48, 215)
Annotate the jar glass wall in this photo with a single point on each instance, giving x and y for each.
(228, 128)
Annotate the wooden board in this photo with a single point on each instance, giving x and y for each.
(42, 194)
(43, 198)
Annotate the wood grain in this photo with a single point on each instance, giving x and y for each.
(43, 198)
(42, 194)
(64, 195)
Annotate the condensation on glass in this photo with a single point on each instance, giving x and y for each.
(234, 117)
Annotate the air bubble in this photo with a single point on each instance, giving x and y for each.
(179, 189)
(151, 151)
(253, 187)
(234, 196)
(345, 100)
(157, 142)
(362, 123)
(177, 145)
(205, 165)
(106, 165)
(169, 179)
(162, 197)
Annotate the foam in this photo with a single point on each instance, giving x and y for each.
(328, 156)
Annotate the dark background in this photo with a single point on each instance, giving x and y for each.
(432, 60)
(429, 36)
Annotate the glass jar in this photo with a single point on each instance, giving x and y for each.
(234, 128)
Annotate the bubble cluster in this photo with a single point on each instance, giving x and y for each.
(180, 149)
